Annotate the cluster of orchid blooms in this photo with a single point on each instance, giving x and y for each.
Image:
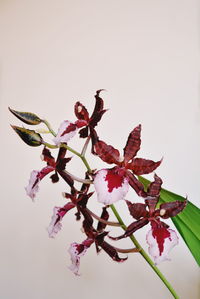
(110, 184)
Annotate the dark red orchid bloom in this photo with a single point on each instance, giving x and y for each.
(94, 236)
(58, 166)
(161, 239)
(78, 200)
(90, 121)
(68, 129)
(112, 184)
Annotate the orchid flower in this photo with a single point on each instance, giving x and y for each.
(91, 121)
(95, 236)
(112, 184)
(161, 239)
(58, 166)
(78, 200)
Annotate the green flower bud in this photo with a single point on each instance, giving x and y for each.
(30, 137)
(27, 117)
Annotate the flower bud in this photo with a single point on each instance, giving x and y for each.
(27, 117)
(30, 137)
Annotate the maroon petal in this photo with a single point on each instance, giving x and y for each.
(133, 144)
(46, 170)
(111, 251)
(142, 166)
(61, 164)
(66, 177)
(87, 223)
(61, 153)
(99, 103)
(83, 199)
(97, 117)
(47, 157)
(70, 128)
(107, 152)
(171, 209)
(98, 110)
(54, 177)
(83, 132)
(81, 112)
(136, 184)
(137, 210)
(155, 187)
(133, 227)
(101, 226)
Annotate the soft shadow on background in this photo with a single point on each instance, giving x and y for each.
(53, 53)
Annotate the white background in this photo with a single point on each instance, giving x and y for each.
(53, 53)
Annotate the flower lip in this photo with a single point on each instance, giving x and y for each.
(110, 186)
(161, 240)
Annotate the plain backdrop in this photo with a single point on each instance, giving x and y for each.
(53, 53)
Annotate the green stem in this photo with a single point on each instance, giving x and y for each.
(49, 127)
(145, 255)
(71, 150)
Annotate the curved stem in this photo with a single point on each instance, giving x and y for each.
(129, 250)
(85, 146)
(49, 127)
(75, 178)
(145, 255)
(102, 220)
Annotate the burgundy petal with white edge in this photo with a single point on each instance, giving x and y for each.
(161, 241)
(58, 213)
(76, 251)
(110, 186)
(33, 186)
(66, 131)
(35, 178)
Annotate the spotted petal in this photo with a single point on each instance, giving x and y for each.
(161, 240)
(110, 186)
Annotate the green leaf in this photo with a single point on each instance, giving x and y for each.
(187, 222)
(27, 117)
(30, 137)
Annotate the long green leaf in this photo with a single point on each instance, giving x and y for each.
(187, 222)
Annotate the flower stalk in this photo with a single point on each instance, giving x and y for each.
(118, 217)
(111, 185)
